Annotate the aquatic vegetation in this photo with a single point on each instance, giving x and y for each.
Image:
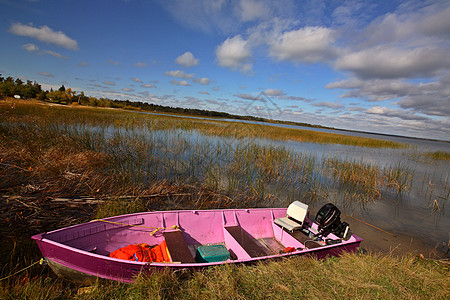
(363, 182)
(228, 158)
(398, 179)
(439, 155)
(356, 175)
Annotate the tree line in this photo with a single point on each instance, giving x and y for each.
(10, 87)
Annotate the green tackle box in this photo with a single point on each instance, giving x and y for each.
(212, 253)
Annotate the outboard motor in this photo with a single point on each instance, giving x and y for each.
(329, 221)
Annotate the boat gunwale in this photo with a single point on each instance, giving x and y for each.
(304, 251)
(42, 238)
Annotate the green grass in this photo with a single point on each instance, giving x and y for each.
(351, 276)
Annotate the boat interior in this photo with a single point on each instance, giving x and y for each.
(246, 233)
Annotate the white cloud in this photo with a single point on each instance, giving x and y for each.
(55, 54)
(135, 79)
(206, 15)
(127, 90)
(35, 49)
(44, 34)
(46, 74)
(438, 23)
(140, 64)
(83, 64)
(390, 62)
(431, 98)
(297, 98)
(250, 97)
(249, 10)
(234, 53)
(373, 90)
(308, 44)
(389, 112)
(326, 104)
(204, 81)
(30, 48)
(179, 74)
(148, 85)
(187, 60)
(401, 58)
(113, 62)
(182, 82)
(424, 25)
(109, 82)
(274, 92)
(227, 16)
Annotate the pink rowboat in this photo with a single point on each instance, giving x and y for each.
(195, 239)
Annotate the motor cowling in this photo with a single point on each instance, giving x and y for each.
(329, 220)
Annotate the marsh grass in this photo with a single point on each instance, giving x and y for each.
(364, 182)
(119, 118)
(140, 149)
(439, 155)
(436, 198)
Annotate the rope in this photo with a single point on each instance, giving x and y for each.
(150, 227)
(41, 261)
(373, 226)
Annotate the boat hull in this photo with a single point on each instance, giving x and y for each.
(80, 252)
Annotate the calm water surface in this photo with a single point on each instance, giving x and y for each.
(418, 214)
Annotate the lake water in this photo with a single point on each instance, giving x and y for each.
(414, 221)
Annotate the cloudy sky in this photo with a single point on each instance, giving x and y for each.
(377, 66)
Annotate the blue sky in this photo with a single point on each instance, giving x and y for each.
(377, 66)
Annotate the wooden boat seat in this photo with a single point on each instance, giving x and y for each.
(246, 241)
(295, 216)
(178, 249)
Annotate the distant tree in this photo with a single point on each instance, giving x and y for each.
(8, 87)
(93, 101)
(19, 82)
(42, 95)
(82, 99)
(60, 97)
(62, 88)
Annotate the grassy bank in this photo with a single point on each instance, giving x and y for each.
(351, 276)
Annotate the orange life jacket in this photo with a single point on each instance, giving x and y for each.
(143, 253)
